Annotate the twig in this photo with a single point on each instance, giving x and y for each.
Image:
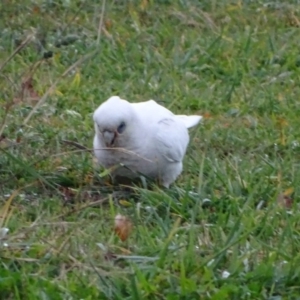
(101, 23)
(18, 49)
(81, 147)
(77, 145)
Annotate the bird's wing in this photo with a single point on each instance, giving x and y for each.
(171, 139)
(151, 111)
(170, 131)
(154, 112)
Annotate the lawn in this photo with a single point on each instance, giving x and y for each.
(228, 228)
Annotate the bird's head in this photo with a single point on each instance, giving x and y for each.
(114, 120)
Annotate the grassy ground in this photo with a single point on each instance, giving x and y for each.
(235, 62)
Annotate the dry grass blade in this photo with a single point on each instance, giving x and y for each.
(100, 28)
(77, 145)
(75, 210)
(5, 209)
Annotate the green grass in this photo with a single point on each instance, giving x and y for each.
(235, 62)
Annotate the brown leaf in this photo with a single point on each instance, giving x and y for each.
(18, 139)
(123, 227)
(284, 200)
(28, 89)
(68, 194)
(36, 10)
(207, 115)
(27, 94)
(108, 24)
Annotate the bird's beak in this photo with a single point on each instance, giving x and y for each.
(109, 137)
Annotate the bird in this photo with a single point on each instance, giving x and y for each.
(143, 138)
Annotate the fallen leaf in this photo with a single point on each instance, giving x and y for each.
(28, 88)
(108, 24)
(18, 139)
(284, 199)
(68, 194)
(36, 10)
(288, 191)
(123, 227)
(207, 115)
(27, 93)
(125, 203)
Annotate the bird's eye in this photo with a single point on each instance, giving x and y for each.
(121, 127)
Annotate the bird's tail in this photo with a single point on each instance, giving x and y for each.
(189, 121)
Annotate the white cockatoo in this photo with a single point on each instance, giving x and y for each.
(144, 138)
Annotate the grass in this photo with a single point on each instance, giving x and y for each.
(236, 63)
